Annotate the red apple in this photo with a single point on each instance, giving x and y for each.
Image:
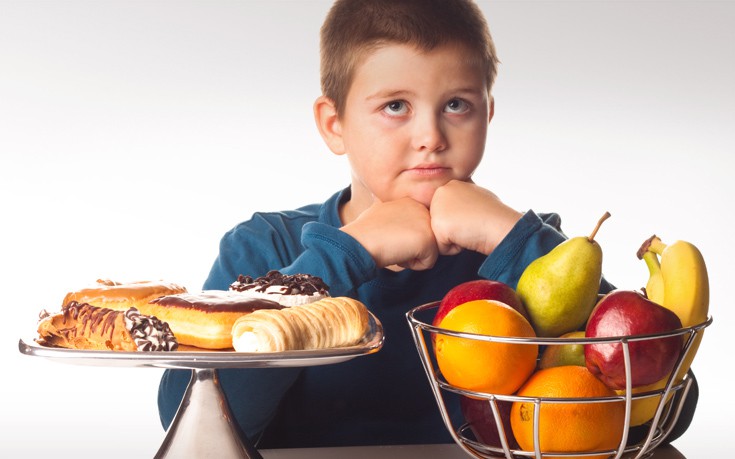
(623, 313)
(481, 289)
(478, 413)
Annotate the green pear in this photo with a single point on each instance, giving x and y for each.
(560, 288)
(557, 355)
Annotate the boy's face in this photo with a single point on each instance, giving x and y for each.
(413, 121)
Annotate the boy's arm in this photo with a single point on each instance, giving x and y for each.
(398, 233)
(391, 233)
(531, 237)
(335, 256)
(258, 246)
(467, 216)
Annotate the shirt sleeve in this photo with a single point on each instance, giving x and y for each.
(335, 256)
(257, 246)
(533, 236)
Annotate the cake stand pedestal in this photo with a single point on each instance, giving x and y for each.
(203, 424)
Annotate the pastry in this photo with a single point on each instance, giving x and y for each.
(123, 296)
(329, 322)
(83, 326)
(286, 289)
(205, 319)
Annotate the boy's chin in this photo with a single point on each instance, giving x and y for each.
(423, 196)
(422, 193)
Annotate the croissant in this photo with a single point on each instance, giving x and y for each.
(329, 322)
(83, 326)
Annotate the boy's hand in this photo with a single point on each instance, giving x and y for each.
(466, 216)
(396, 233)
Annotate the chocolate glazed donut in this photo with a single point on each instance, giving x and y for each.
(205, 319)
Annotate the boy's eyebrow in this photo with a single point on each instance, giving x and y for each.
(391, 94)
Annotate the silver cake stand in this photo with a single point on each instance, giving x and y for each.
(203, 426)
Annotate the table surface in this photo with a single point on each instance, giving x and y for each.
(450, 451)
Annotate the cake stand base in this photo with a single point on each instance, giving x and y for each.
(203, 426)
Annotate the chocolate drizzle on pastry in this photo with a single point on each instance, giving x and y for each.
(294, 284)
(81, 322)
(93, 319)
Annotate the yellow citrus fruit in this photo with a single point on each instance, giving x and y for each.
(484, 366)
(568, 427)
(644, 409)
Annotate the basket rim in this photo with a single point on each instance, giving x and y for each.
(434, 330)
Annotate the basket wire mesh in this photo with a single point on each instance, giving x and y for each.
(670, 398)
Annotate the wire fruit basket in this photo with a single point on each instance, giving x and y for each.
(637, 442)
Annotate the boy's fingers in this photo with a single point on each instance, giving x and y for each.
(419, 264)
(423, 261)
(449, 248)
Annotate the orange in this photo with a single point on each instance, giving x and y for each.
(484, 366)
(568, 427)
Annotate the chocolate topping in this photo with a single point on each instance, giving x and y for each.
(294, 284)
(91, 317)
(148, 333)
(216, 301)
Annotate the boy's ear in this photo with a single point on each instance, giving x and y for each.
(329, 125)
(491, 111)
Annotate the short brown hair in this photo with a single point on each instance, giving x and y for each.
(353, 27)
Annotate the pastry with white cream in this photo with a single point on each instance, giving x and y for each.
(327, 323)
(286, 289)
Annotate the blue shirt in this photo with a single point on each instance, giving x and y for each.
(383, 398)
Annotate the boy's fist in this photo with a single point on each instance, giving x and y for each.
(466, 216)
(396, 233)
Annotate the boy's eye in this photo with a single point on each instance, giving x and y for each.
(396, 107)
(457, 106)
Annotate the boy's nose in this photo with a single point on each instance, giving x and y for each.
(428, 135)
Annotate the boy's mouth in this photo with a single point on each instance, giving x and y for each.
(428, 170)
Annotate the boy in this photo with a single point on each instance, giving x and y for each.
(407, 97)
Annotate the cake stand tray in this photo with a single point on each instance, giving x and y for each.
(203, 426)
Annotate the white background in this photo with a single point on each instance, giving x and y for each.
(133, 134)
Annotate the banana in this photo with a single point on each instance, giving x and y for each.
(684, 278)
(678, 281)
(655, 284)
